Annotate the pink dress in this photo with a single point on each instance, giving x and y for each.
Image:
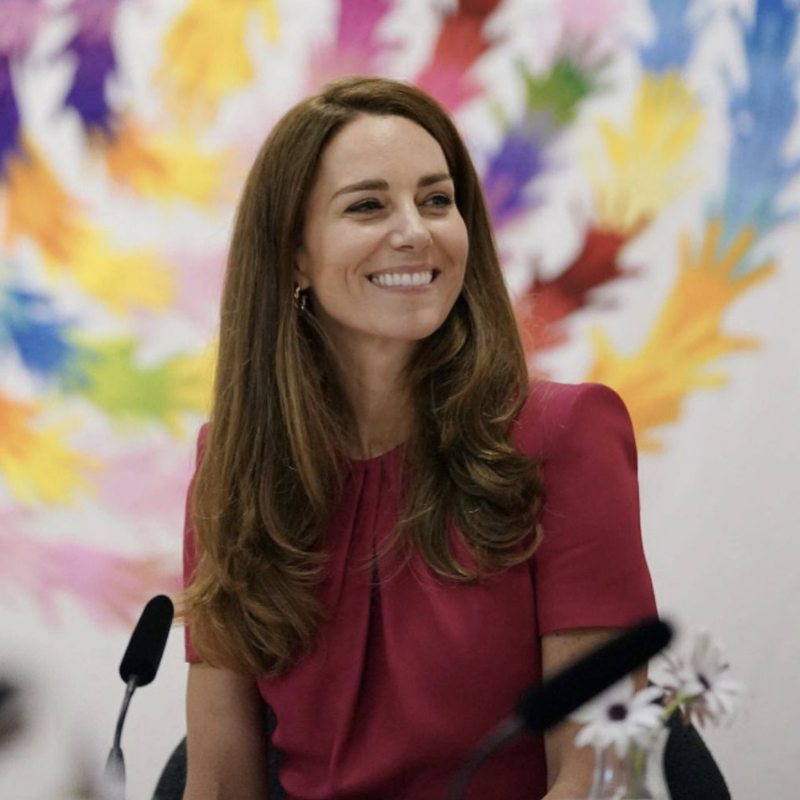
(411, 672)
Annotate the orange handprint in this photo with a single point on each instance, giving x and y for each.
(687, 336)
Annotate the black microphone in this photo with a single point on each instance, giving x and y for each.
(546, 705)
(138, 668)
(148, 640)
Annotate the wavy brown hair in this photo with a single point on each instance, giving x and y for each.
(281, 424)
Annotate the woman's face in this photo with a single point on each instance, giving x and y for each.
(384, 246)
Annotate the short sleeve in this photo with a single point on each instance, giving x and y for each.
(590, 569)
(189, 543)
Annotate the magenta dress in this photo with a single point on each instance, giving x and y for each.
(412, 671)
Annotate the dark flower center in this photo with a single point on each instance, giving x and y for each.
(618, 712)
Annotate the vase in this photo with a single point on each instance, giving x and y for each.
(638, 775)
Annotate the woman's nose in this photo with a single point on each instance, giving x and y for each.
(410, 230)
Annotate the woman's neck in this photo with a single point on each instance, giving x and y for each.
(374, 380)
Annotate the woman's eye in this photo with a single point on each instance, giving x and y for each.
(364, 207)
(439, 200)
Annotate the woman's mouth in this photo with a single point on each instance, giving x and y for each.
(403, 279)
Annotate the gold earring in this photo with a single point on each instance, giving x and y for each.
(300, 298)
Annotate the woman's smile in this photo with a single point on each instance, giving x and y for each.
(404, 279)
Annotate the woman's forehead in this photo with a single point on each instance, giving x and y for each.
(373, 147)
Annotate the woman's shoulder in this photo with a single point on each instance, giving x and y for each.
(552, 399)
(555, 411)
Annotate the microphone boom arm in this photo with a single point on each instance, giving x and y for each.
(114, 776)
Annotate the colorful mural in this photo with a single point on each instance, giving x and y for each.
(126, 130)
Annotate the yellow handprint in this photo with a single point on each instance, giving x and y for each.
(36, 464)
(206, 55)
(687, 336)
(39, 208)
(645, 170)
(163, 166)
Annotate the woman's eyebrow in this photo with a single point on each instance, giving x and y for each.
(368, 185)
(437, 177)
(380, 185)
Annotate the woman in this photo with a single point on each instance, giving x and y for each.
(396, 536)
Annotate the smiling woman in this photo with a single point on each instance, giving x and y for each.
(363, 546)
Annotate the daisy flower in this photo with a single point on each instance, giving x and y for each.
(620, 717)
(702, 687)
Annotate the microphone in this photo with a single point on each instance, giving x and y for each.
(546, 705)
(138, 668)
(147, 643)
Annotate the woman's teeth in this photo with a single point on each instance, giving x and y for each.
(402, 278)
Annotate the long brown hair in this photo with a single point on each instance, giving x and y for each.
(280, 423)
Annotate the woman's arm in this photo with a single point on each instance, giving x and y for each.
(226, 741)
(569, 769)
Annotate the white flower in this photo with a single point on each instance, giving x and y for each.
(702, 687)
(618, 717)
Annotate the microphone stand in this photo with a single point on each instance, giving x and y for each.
(114, 776)
(506, 730)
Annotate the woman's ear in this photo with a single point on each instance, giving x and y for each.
(300, 274)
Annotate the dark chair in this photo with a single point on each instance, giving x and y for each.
(689, 767)
(172, 781)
